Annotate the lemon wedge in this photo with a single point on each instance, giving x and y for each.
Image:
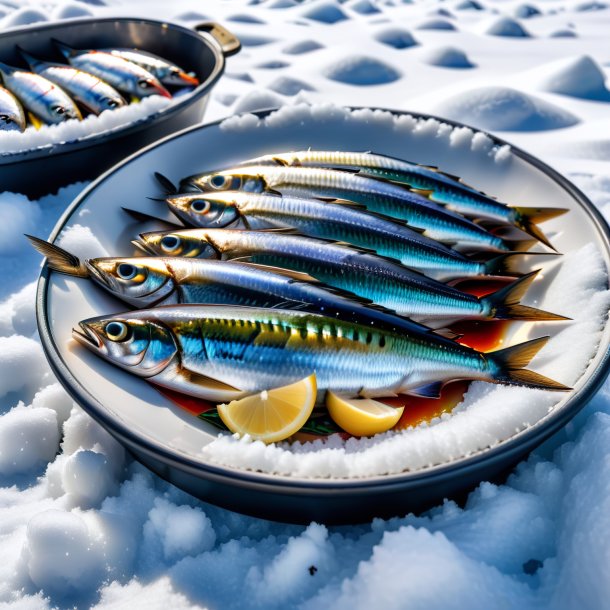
(272, 415)
(361, 416)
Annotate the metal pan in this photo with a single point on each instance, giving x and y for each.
(168, 440)
(201, 50)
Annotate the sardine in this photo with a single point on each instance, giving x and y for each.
(376, 195)
(88, 90)
(214, 352)
(346, 223)
(165, 71)
(121, 74)
(431, 182)
(365, 274)
(47, 102)
(12, 117)
(151, 281)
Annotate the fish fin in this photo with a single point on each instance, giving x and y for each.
(32, 61)
(281, 162)
(166, 184)
(36, 122)
(66, 50)
(511, 362)
(207, 382)
(430, 390)
(295, 275)
(246, 222)
(528, 219)
(447, 333)
(5, 69)
(508, 264)
(161, 199)
(280, 230)
(504, 303)
(145, 217)
(423, 192)
(59, 259)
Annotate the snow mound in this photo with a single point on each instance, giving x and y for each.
(289, 86)
(575, 76)
(469, 5)
(526, 11)
(24, 16)
(446, 57)
(505, 26)
(396, 37)
(246, 18)
(505, 109)
(191, 16)
(282, 4)
(361, 70)
(586, 7)
(254, 40)
(274, 64)
(258, 100)
(563, 34)
(436, 24)
(325, 12)
(71, 11)
(304, 46)
(364, 7)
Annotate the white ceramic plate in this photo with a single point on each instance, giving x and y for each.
(170, 440)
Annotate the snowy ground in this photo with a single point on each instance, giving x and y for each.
(82, 525)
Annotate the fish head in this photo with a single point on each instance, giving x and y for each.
(149, 85)
(206, 210)
(190, 244)
(111, 102)
(175, 76)
(59, 112)
(232, 180)
(11, 122)
(142, 347)
(141, 282)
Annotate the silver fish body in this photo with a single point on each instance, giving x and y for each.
(44, 99)
(314, 218)
(12, 117)
(88, 90)
(121, 74)
(371, 277)
(376, 195)
(249, 350)
(165, 71)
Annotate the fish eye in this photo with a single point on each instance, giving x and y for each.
(218, 181)
(6, 118)
(117, 331)
(200, 206)
(111, 103)
(127, 271)
(60, 110)
(170, 243)
(143, 83)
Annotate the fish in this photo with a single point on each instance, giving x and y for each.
(88, 90)
(12, 117)
(378, 196)
(165, 71)
(44, 100)
(346, 223)
(152, 281)
(123, 75)
(219, 352)
(365, 274)
(431, 182)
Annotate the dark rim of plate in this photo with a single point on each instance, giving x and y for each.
(502, 452)
(165, 114)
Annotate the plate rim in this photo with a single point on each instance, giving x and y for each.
(502, 451)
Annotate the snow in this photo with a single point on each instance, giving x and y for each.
(83, 525)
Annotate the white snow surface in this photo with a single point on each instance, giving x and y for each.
(82, 525)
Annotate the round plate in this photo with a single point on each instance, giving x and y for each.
(168, 439)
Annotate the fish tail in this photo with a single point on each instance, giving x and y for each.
(66, 50)
(527, 220)
(504, 303)
(510, 366)
(508, 264)
(59, 259)
(166, 184)
(32, 61)
(6, 70)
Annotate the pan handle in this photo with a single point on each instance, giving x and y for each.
(229, 43)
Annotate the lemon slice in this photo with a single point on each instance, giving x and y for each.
(272, 415)
(361, 416)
